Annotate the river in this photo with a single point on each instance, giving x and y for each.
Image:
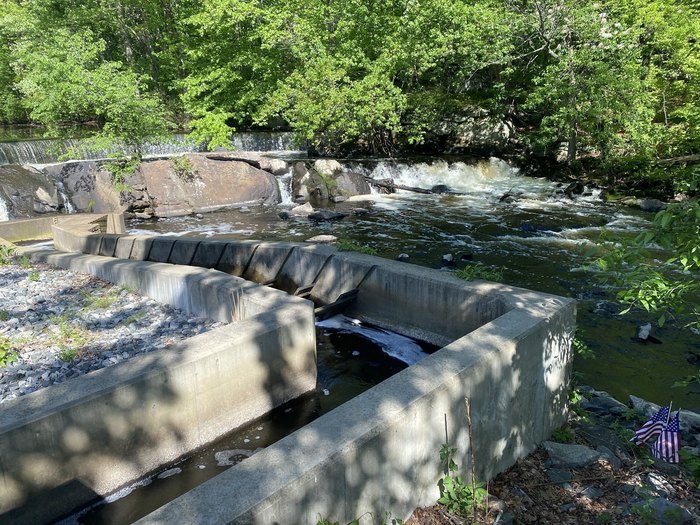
(537, 241)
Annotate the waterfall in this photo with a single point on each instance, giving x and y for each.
(264, 141)
(67, 204)
(284, 182)
(44, 151)
(4, 212)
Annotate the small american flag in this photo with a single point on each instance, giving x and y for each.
(652, 427)
(669, 442)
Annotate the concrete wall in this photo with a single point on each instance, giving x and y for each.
(40, 228)
(379, 452)
(507, 349)
(64, 445)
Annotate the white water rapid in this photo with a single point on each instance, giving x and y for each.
(284, 182)
(4, 212)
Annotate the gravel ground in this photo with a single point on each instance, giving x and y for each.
(56, 325)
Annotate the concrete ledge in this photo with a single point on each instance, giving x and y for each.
(379, 452)
(64, 445)
(267, 261)
(236, 256)
(41, 227)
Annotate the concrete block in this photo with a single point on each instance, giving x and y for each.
(109, 244)
(107, 428)
(342, 273)
(380, 450)
(424, 304)
(236, 256)
(208, 253)
(161, 249)
(141, 248)
(302, 267)
(124, 246)
(267, 261)
(183, 251)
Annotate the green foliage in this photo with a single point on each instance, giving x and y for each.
(4, 315)
(480, 271)
(350, 246)
(69, 338)
(691, 463)
(92, 301)
(7, 354)
(456, 495)
(24, 262)
(121, 170)
(34, 275)
(183, 167)
(563, 435)
(580, 346)
(6, 253)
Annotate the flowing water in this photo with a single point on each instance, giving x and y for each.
(535, 237)
(42, 151)
(537, 241)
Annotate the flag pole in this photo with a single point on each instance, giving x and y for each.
(668, 417)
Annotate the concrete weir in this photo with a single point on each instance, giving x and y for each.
(506, 349)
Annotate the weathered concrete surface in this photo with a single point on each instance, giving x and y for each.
(507, 349)
(267, 261)
(211, 185)
(100, 431)
(41, 227)
(379, 451)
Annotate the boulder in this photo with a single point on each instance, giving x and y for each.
(302, 211)
(212, 184)
(664, 512)
(327, 215)
(651, 205)
(307, 184)
(448, 261)
(479, 131)
(274, 166)
(323, 239)
(27, 192)
(569, 456)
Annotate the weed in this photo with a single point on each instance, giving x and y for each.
(25, 263)
(93, 301)
(691, 463)
(183, 168)
(6, 253)
(69, 339)
(349, 246)
(134, 318)
(604, 517)
(4, 315)
(563, 435)
(580, 346)
(7, 354)
(34, 276)
(455, 495)
(121, 168)
(91, 206)
(479, 271)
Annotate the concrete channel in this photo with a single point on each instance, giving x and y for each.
(506, 349)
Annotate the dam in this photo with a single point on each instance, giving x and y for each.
(506, 349)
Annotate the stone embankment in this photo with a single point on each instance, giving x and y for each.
(58, 324)
(590, 473)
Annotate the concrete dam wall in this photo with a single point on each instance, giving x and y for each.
(506, 349)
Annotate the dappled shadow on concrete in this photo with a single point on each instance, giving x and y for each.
(378, 452)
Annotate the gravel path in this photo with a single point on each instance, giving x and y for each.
(56, 325)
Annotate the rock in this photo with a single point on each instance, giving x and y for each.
(448, 260)
(441, 188)
(327, 215)
(302, 211)
(27, 191)
(599, 436)
(651, 205)
(199, 216)
(592, 493)
(338, 198)
(644, 331)
(663, 512)
(609, 456)
(575, 188)
(569, 456)
(218, 184)
(284, 215)
(360, 212)
(659, 484)
(328, 167)
(605, 405)
(403, 257)
(468, 256)
(322, 239)
(274, 166)
(478, 130)
(559, 476)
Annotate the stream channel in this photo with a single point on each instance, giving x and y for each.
(536, 240)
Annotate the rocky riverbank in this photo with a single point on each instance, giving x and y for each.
(590, 473)
(56, 325)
